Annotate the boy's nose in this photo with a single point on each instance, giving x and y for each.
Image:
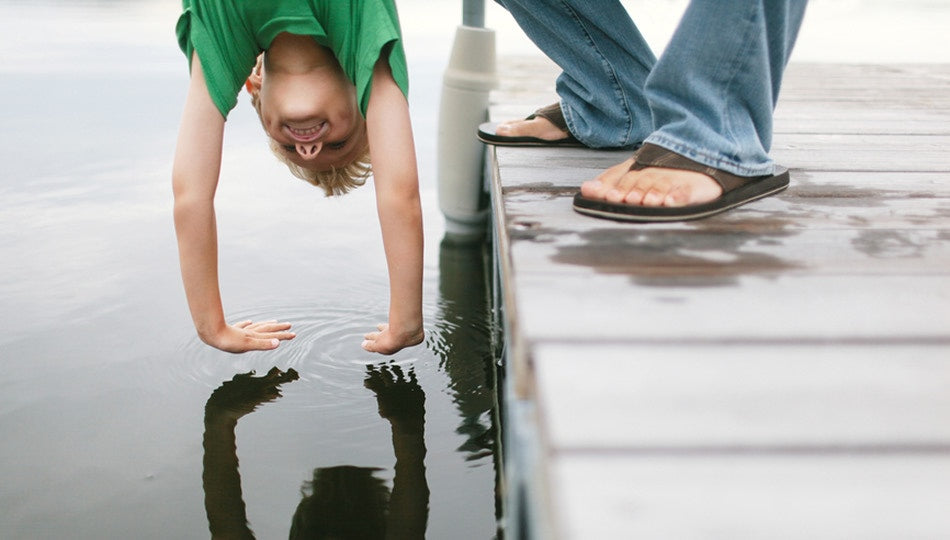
(309, 150)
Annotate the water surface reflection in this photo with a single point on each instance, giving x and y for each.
(343, 501)
(323, 434)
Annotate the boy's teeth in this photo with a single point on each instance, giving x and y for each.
(307, 131)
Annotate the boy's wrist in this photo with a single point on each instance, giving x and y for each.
(405, 323)
(211, 333)
(409, 331)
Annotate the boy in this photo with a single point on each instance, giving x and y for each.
(331, 86)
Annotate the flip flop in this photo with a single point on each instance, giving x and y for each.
(736, 190)
(552, 113)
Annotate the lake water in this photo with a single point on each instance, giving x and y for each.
(106, 411)
(116, 422)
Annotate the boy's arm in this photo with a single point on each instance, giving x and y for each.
(194, 180)
(396, 180)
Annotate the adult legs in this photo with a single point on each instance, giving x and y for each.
(605, 63)
(711, 95)
(713, 91)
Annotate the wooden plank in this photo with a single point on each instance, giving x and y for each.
(816, 98)
(540, 169)
(806, 151)
(853, 117)
(891, 86)
(726, 254)
(533, 74)
(862, 152)
(846, 117)
(696, 399)
(873, 497)
(534, 209)
(742, 308)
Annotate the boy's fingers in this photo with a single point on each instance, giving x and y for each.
(382, 327)
(270, 328)
(279, 336)
(268, 324)
(263, 344)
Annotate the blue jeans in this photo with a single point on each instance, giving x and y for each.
(709, 97)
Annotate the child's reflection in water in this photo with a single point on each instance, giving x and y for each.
(343, 502)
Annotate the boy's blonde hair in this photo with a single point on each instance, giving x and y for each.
(335, 181)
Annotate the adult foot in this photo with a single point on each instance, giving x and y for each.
(537, 127)
(651, 186)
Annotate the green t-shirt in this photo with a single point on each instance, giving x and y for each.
(230, 34)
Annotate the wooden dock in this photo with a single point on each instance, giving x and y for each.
(779, 371)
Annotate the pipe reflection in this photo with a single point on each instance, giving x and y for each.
(343, 502)
(464, 339)
(468, 344)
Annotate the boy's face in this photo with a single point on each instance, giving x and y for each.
(313, 116)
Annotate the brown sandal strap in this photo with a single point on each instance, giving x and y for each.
(651, 155)
(552, 113)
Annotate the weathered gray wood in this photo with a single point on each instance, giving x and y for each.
(850, 117)
(776, 371)
(816, 98)
(534, 214)
(527, 78)
(720, 255)
(814, 497)
(668, 398)
(807, 151)
(736, 308)
(862, 152)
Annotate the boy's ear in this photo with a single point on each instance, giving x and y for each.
(253, 84)
(254, 80)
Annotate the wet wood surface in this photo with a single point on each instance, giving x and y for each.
(782, 370)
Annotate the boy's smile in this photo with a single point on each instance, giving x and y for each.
(308, 105)
(313, 148)
(305, 135)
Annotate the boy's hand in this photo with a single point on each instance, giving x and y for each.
(250, 336)
(244, 392)
(387, 341)
(399, 396)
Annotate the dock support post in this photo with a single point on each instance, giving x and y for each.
(467, 81)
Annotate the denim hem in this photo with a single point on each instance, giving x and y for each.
(711, 158)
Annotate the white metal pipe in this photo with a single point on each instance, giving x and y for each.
(466, 84)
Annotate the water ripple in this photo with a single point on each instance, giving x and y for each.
(326, 352)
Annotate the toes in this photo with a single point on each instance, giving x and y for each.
(635, 196)
(599, 187)
(652, 186)
(656, 195)
(678, 196)
(536, 127)
(504, 129)
(593, 189)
